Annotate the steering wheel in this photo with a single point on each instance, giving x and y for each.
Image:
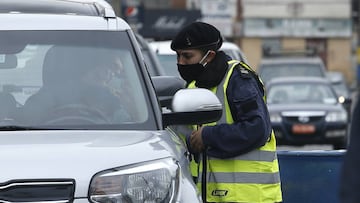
(76, 114)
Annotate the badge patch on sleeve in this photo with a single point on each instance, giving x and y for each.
(249, 106)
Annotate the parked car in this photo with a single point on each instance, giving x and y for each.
(306, 110)
(151, 59)
(233, 51)
(79, 117)
(341, 88)
(290, 65)
(168, 57)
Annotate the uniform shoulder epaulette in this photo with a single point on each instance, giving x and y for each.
(247, 72)
(244, 70)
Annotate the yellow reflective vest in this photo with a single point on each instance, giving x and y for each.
(250, 177)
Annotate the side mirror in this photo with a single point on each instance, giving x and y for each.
(193, 107)
(344, 100)
(348, 101)
(166, 87)
(185, 106)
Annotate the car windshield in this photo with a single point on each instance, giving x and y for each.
(295, 93)
(168, 62)
(71, 80)
(270, 71)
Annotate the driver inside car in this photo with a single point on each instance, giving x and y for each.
(77, 89)
(109, 98)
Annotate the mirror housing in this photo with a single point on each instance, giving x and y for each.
(193, 107)
(166, 87)
(185, 106)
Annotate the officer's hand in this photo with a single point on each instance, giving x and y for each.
(196, 141)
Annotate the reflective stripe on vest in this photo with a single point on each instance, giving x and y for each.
(250, 177)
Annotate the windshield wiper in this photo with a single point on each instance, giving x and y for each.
(19, 127)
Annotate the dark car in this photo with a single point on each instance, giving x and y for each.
(341, 88)
(306, 110)
(288, 66)
(152, 61)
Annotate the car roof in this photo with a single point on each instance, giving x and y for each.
(297, 79)
(59, 22)
(229, 45)
(59, 15)
(163, 47)
(234, 51)
(73, 7)
(291, 59)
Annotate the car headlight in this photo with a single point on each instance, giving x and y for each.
(340, 116)
(150, 182)
(275, 118)
(341, 99)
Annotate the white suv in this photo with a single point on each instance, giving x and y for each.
(80, 120)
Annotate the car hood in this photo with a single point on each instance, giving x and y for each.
(77, 155)
(304, 107)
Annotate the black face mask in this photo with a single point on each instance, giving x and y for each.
(190, 72)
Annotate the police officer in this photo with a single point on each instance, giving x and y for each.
(240, 163)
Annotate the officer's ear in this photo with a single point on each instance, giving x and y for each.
(210, 56)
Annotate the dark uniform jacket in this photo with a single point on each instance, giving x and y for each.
(251, 127)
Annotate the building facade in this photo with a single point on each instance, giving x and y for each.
(323, 25)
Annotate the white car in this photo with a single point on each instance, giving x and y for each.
(233, 51)
(168, 57)
(66, 138)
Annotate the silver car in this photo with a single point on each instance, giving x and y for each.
(80, 118)
(291, 66)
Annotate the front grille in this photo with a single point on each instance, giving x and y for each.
(49, 191)
(312, 119)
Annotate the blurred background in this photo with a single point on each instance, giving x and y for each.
(331, 27)
(325, 29)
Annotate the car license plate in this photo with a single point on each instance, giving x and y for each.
(303, 129)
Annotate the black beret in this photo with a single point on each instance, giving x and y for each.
(197, 35)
